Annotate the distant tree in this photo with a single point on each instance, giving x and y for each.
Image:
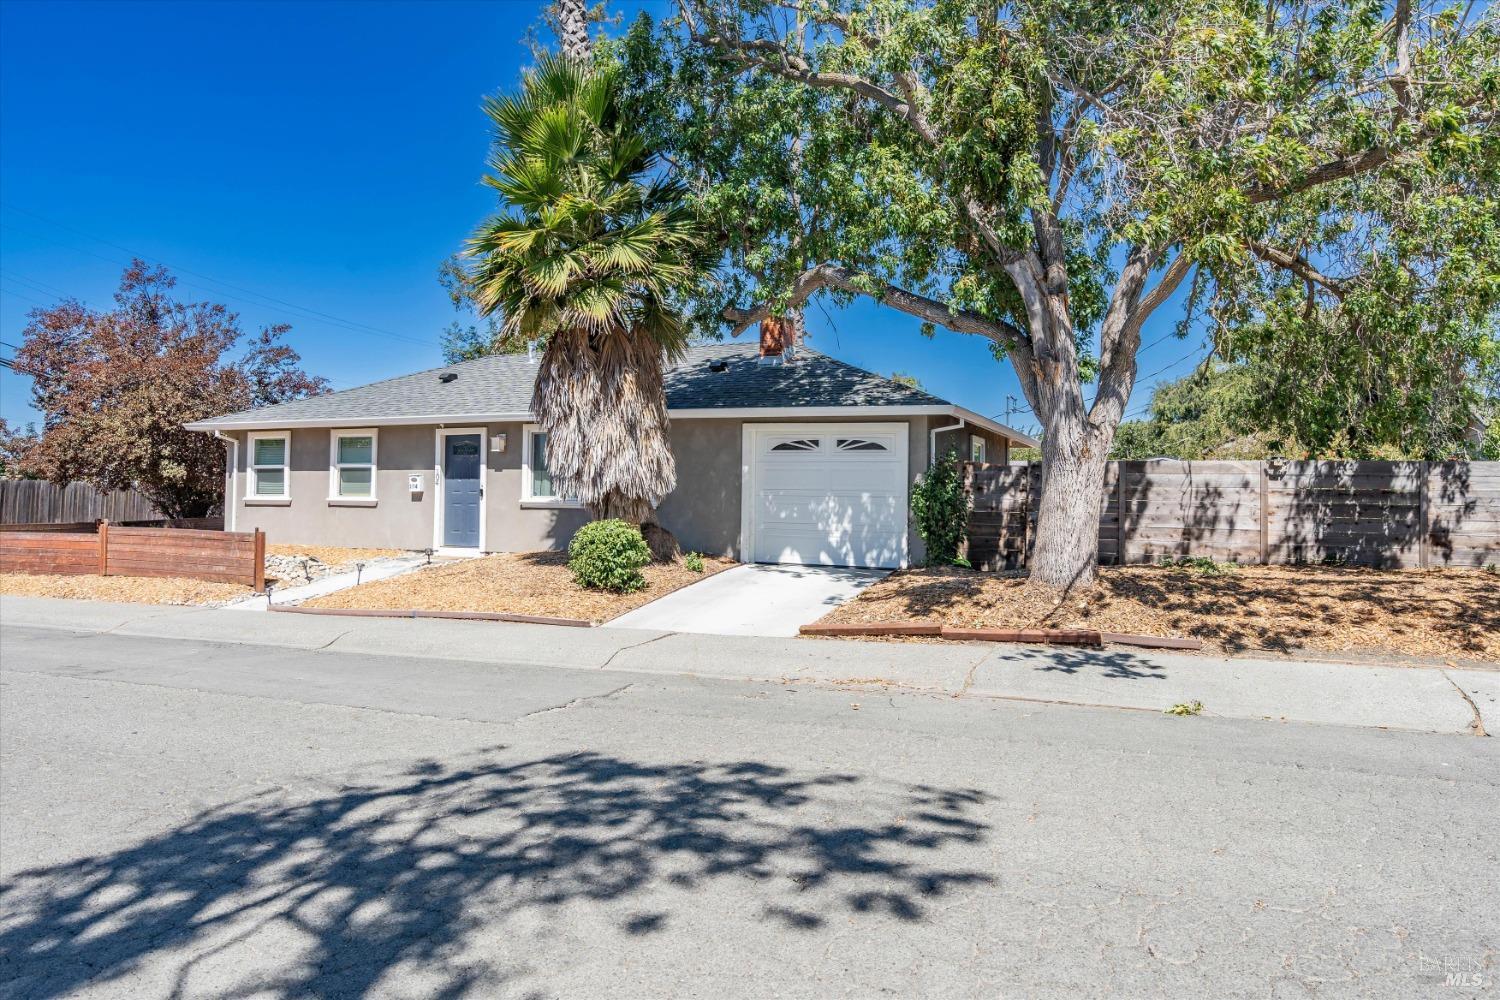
(479, 333)
(910, 381)
(116, 386)
(15, 445)
(1208, 413)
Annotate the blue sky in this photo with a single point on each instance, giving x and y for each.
(310, 164)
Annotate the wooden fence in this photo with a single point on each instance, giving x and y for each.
(29, 501)
(1389, 514)
(222, 556)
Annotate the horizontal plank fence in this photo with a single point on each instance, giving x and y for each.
(1386, 514)
(110, 550)
(34, 501)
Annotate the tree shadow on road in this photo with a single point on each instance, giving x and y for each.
(415, 870)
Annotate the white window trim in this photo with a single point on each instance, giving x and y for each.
(252, 479)
(438, 447)
(983, 448)
(334, 465)
(527, 499)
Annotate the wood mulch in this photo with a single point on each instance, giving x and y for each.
(1425, 613)
(129, 589)
(523, 583)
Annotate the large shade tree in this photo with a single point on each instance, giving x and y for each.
(1047, 174)
(587, 255)
(115, 387)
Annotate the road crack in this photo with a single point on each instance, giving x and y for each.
(574, 703)
(1478, 724)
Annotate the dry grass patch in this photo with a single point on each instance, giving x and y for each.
(520, 583)
(131, 589)
(1273, 608)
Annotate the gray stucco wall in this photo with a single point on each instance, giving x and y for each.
(704, 511)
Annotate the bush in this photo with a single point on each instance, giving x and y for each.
(940, 506)
(694, 562)
(608, 555)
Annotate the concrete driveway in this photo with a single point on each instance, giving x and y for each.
(755, 599)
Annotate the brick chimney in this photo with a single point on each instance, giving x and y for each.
(779, 335)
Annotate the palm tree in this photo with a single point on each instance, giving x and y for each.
(587, 256)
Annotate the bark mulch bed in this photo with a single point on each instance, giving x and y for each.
(1280, 609)
(130, 589)
(523, 583)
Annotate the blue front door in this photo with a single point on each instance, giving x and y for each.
(462, 489)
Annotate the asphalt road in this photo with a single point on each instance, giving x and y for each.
(299, 824)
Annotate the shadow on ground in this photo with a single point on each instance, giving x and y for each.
(322, 896)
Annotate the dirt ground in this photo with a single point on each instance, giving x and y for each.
(131, 589)
(525, 583)
(1272, 608)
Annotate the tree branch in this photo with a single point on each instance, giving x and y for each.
(826, 276)
(1298, 266)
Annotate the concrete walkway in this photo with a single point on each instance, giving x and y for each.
(378, 569)
(754, 599)
(1413, 698)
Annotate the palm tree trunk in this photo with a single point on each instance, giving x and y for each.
(573, 29)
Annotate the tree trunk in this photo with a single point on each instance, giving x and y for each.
(663, 544)
(1066, 555)
(573, 29)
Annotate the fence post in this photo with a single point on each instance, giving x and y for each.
(1120, 510)
(1265, 516)
(104, 548)
(1423, 512)
(260, 561)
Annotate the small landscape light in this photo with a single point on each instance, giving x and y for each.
(359, 569)
(428, 553)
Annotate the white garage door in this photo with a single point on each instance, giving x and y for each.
(825, 494)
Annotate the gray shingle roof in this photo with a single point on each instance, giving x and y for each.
(502, 384)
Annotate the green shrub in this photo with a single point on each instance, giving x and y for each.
(940, 507)
(608, 555)
(694, 562)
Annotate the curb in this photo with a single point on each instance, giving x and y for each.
(481, 616)
(1047, 636)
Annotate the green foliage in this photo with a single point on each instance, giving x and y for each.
(693, 562)
(1202, 565)
(940, 508)
(1208, 413)
(14, 446)
(608, 555)
(589, 240)
(1185, 708)
(479, 334)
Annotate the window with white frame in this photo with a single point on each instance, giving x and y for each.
(269, 465)
(536, 476)
(976, 448)
(351, 465)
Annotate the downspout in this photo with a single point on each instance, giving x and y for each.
(932, 455)
(231, 498)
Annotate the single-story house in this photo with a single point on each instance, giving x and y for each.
(792, 457)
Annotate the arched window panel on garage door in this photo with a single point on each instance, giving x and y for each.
(796, 444)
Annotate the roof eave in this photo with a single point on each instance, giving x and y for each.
(683, 413)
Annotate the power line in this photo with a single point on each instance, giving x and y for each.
(353, 325)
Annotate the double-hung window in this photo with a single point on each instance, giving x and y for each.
(976, 448)
(351, 465)
(536, 477)
(270, 477)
